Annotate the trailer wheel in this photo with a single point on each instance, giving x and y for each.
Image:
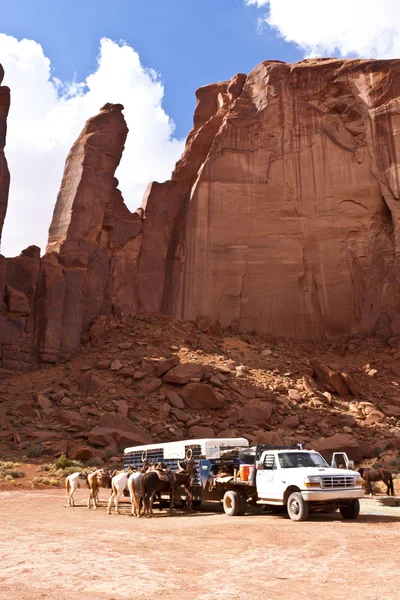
(297, 507)
(233, 504)
(351, 511)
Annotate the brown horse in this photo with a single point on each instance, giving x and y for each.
(372, 475)
(184, 477)
(97, 479)
(154, 481)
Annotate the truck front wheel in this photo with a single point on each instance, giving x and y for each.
(351, 510)
(234, 504)
(297, 507)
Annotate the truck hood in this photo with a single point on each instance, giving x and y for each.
(321, 471)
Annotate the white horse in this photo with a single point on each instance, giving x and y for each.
(119, 484)
(74, 481)
(134, 487)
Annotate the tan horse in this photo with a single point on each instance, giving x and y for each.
(96, 480)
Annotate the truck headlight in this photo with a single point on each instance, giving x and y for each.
(358, 480)
(312, 482)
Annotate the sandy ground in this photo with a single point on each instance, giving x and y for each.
(51, 552)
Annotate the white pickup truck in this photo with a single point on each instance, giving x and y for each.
(299, 480)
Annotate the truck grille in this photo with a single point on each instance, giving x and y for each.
(337, 482)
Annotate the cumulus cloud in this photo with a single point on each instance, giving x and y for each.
(47, 115)
(364, 28)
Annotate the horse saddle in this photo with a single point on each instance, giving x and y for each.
(167, 476)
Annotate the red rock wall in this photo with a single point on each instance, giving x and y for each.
(291, 224)
(281, 217)
(4, 173)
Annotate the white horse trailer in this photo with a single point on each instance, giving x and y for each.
(209, 456)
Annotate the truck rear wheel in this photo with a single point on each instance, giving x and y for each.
(297, 507)
(234, 504)
(351, 510)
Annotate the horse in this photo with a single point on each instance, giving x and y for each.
(73, 482)
(96, 480)
(153, 481)
(184, 477)
(119, 484)
(372, 475)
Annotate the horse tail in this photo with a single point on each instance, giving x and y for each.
(113, 488)
(67, 485)
(391, 486)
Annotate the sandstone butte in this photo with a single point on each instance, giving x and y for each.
(282, 216)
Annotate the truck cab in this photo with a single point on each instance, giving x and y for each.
(302, 479)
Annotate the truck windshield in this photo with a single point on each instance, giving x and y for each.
(290, 460)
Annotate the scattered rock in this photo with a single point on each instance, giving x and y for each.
(339, 442)
(183, 373)
(330, 377)
(200, 395)
(149, 386)
(116, 365)
(165, 365)
(175, 400)
(199, 432)
(90, 383)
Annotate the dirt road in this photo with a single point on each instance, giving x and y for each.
(51, 552)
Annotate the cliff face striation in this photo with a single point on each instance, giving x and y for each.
(282, 217)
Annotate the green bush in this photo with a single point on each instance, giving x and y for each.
(33, 451)
(62, 462)
(14, 473)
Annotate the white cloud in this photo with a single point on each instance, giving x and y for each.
(365, 28)
(46, 116)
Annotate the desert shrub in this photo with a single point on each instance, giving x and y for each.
(92, 462)
(33, 451)
(62, 462)
(8, 478)
(14, 473)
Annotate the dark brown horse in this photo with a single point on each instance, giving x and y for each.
(372, 475)
(157, 481)
(184, 478)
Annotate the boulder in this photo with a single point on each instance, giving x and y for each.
(290, 422)
(90, 383)
(201, 432)
(392, 410)
(201, 395)
(330, 377)
(256, 411)
(183, 373)
(269, 438)
(82, 453)
(181, 415)
(339, 442)
(150, 385)
(175, 400)
(116, 365)
(374, 416)
(162, 366)
(27, 410)
(43, 402)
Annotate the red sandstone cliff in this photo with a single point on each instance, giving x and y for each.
(281, 217)
(4, 173)
(290, 223)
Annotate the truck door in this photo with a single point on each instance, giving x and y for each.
(266, 484)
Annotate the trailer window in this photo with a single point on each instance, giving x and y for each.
(290, 460)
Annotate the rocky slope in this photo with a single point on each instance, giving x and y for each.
(154, 379)
(281, 217)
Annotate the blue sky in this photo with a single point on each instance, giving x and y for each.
(189, 43)
(64, 59)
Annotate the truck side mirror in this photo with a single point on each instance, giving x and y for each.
(350, 464)
(258, 465)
